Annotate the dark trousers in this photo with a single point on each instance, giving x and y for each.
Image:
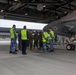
(51, 45)
(30, 43)
(19, 44)
(40, 44)
(24, 46)
(36, 43)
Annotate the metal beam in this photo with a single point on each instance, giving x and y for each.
(64, 4)
(67, 8)
(3, 1)
(72, 5)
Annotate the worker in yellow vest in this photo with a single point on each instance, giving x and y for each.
(44, 40)
(24, 40)
(13, 36)
(51, 37)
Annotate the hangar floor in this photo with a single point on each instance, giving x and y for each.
(60, 62)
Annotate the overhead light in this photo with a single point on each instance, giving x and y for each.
(15, 0)
(40, 7)
(44, 6)
(2, 10)
(25, 13)
(65, 12)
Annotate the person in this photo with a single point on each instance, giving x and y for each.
(13, 36)
(40, 40)
(51, 37)
(19, 40)
(36, 40)
(30, 39)
(44, 40)
(24, 39)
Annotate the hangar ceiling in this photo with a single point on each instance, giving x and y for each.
(42, 11)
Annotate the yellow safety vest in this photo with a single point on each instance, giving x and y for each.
(52, 32)
(44, 37)
(51, 35)
(23, 34)
(12, 33)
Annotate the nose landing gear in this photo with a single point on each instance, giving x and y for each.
(70, 47)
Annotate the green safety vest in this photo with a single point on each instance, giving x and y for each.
(44, 37)
(12, 33)
(23, 34)
(51, 35)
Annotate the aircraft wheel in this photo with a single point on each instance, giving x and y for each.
(73, 47)
(69, 47)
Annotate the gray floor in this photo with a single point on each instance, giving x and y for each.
(60, 62)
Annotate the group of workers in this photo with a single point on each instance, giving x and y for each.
(13, 36)
(32, 40)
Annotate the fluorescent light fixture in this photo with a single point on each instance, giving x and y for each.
(15, 0)
(2, 10)
(65, 12)
(25, 13)
(19, 24)
(44, 6)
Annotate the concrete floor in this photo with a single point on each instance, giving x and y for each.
(60, 62)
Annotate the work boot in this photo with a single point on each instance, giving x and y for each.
(14, 53)
(51, 51)
(10, 51)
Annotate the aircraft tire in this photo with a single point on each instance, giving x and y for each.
(73, 47)
(69, 47)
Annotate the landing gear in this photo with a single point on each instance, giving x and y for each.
(70, 47)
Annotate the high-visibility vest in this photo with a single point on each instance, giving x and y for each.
(51, 35)
(44, 37)
(12, 33)
(23, 34)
